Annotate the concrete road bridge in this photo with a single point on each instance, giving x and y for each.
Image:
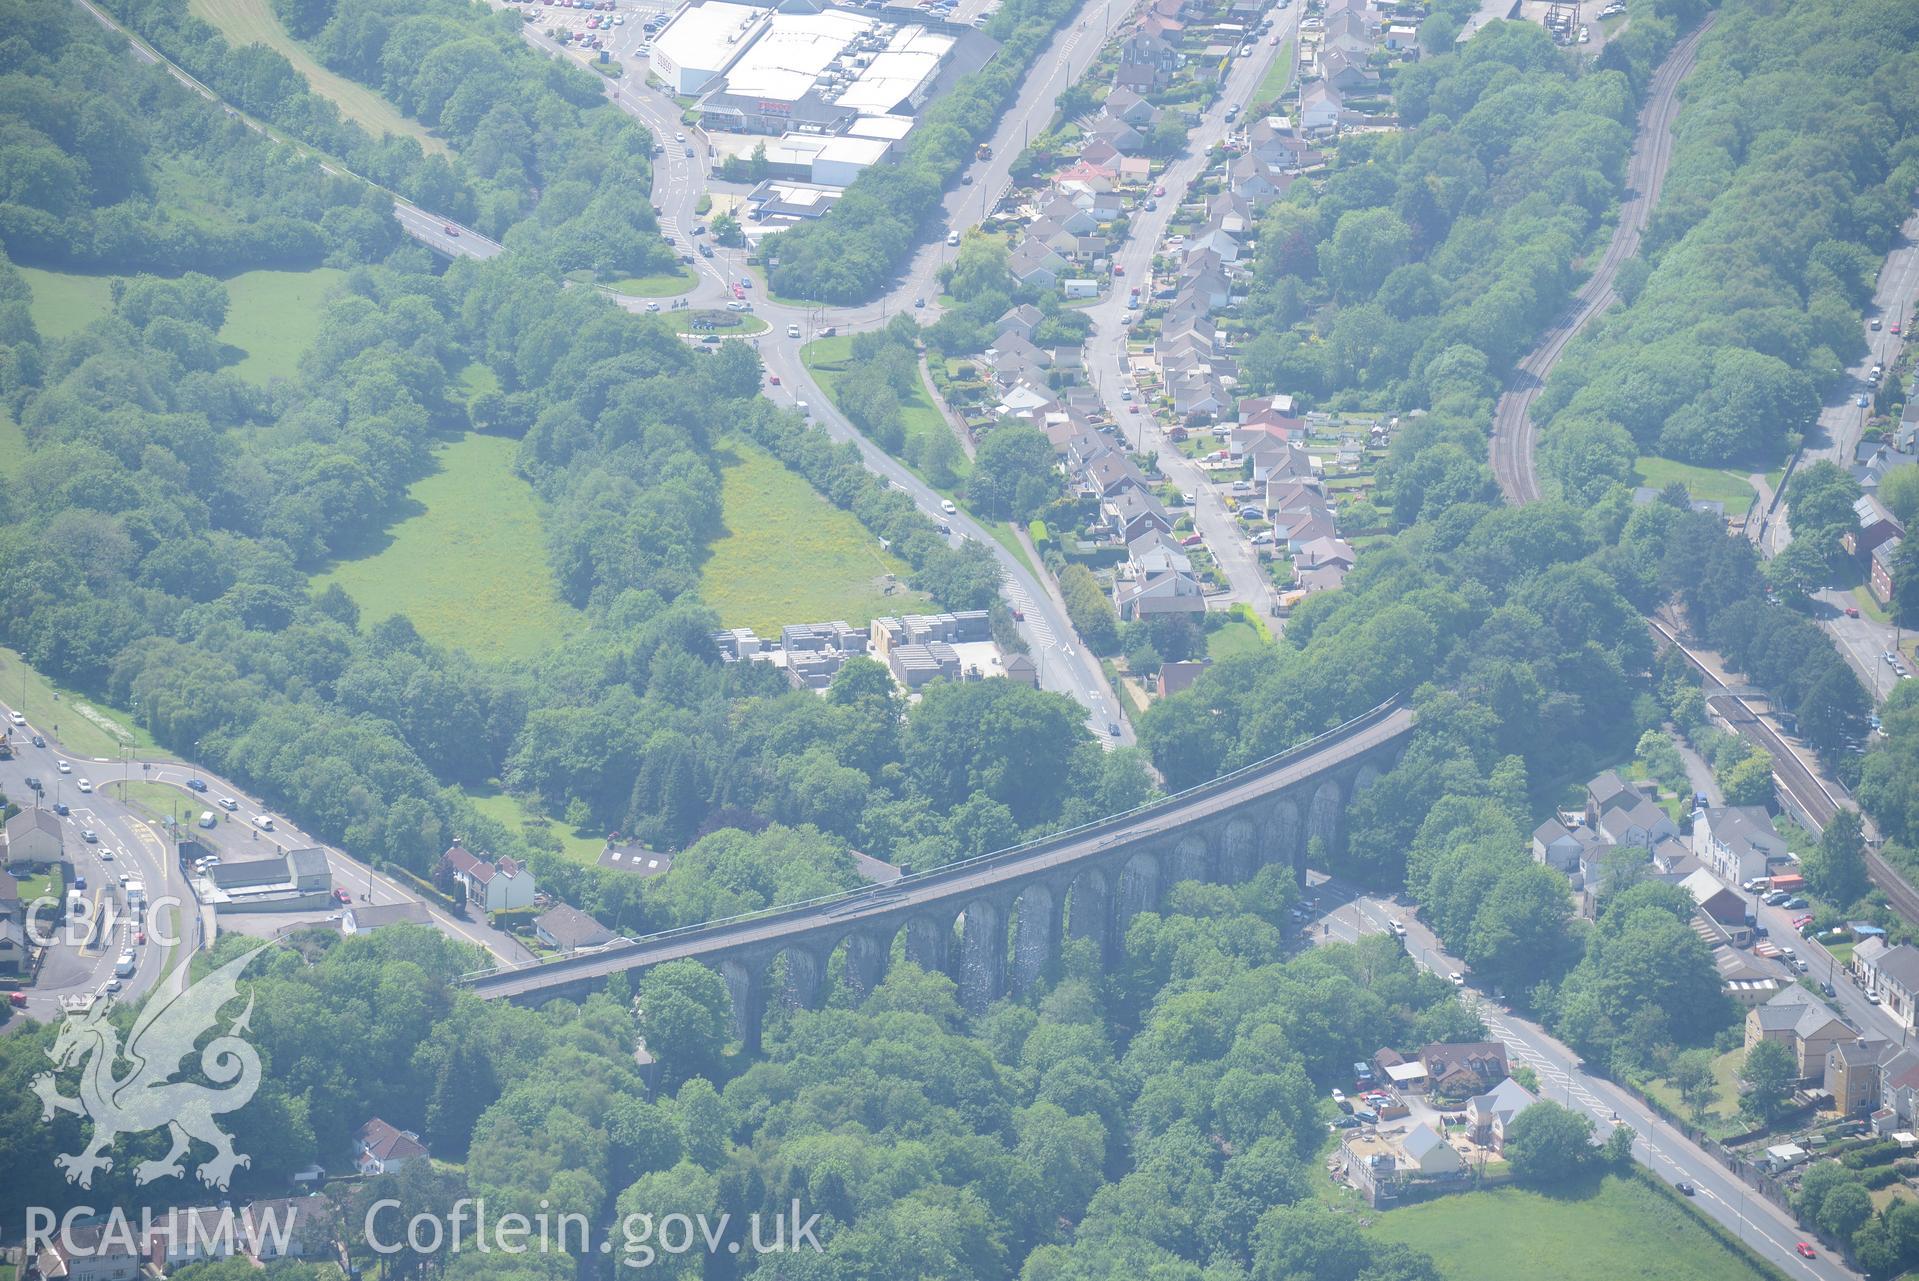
(996, 922)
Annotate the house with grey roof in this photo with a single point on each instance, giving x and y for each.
(1736, 842)
(1488, 1114)
(1800, 1021)
(33, 838)
(567, 929)
(1640, 823)
(1894, 975)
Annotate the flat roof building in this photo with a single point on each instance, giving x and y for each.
(702, 41)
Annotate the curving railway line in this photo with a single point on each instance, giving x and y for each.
(1514, 435)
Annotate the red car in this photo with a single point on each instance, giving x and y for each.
(1895, 326)
(1192, 540)
(1806, 1251)
(774, 379)
(1118, 270)
(341, 896)
(1160, 190)
(1019, 615)
(1852, 611)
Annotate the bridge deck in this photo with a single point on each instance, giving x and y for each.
(962, 881)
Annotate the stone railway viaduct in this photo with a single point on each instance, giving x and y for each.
(996, 921)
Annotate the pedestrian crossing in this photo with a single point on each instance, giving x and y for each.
(1035, 621)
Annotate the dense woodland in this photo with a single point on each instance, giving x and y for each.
(1794, 164)
(1159, 1116)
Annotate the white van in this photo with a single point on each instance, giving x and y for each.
(792, 331)
(801, 405)
(952, 238)
(264, 822)
(946, 505)
(207, 819)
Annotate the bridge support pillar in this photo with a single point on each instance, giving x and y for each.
(926, 943)
(805, 979)
(1035, 936)
(865, 963)
(1138, 891)
(982, 976)
(747, 986)
(1092, 913)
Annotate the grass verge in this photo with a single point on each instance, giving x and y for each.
(468, 566)
(789, 556)
(72, 722)
(1619, 1229)
(1705, 484)
(663, 286)
(245, 22)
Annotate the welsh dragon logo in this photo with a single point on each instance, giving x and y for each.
(147, 1098)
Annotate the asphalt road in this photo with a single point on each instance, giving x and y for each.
(1515, 437)
(143, 850)
(1660, 1148)
(1106, 350)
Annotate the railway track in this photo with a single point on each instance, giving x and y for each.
(1514, 436)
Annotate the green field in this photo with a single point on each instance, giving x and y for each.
(1705, 484)
(245, 22)
(826, 359)
(576, 845)
(1621, 1230)
(272, 316)
(1233, 638)
(789, 556)
(64, 303)
(654, 286)
(71, 722)
(159, 801)
(468, 567)
(1722, 1114)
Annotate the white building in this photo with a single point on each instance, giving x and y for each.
(1736, 842)
(702, 41)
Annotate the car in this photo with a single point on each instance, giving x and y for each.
(34, 784)
(196, 785)
(1895, 326)
(1339, 1095)
(1456, 979)
(699, 229)
(774, 379)
(38, 741)
(1683, 1188)
(792, 331)
(1151, 204)
(228, 804)
(451, 230)
(946, 505)
(61, 808)
(966, 180)
(1801, 922)
(1112, 727)
(1343, 1121)
(919, 304)
(1160, 190)
(1192, 540)
(1806, 1251)
(652, 306)
(1275, 39)
(1872, 998)
(952, 238)
(1877, 325)
(63, 767)
(1795, 902)
(91, 837)
(17, 999)
(1852, 611)
(341, 896)
(113, 984)
(84, 785)
(140, 937)
(17, 718)
(1827, 989)
(735, 305)
(1860, 400)
(106, 856)
(123, 878)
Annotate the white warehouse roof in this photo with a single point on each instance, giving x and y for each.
(792, 53)
(909, 60)
(704, 38)
(891, 128)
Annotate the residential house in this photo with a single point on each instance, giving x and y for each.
(1021, 321)
(1894, 975)
(1215, 241)
(364, 918)
(1132, 513)
(1800, 1021)
(1154, 52)
(1231, 213)
(1717, 901)
(1883, 576)
(199, 1234)
(35, 838)
(1898, 1093)
(569, 930)
(1461, 1070)
(1125, 105)
(1349, 31)
(1101, 152)
(1875, 526)
(379, 1148)
(1177, 677)
(1035, 265)
(499, 886)
(1110, 473)
(1488, 1114)
(1606, 791)
(1157, 553)
(1255, 181)
(1272, 140)
(1210, 289)
(634, 858)
(1152, 595)
(1426, 1152)
(89, 1253)
(1561, 847)
(1022, 670)
(1269, 413)
(1122, 137)
(287, 1228)
(1853, 1070)
(1323, 564)
(1320, 109)
(1736, 842)
(1640, 823)
(1197, 393)
(1347, 73)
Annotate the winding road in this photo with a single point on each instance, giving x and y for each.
(1514, 434)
